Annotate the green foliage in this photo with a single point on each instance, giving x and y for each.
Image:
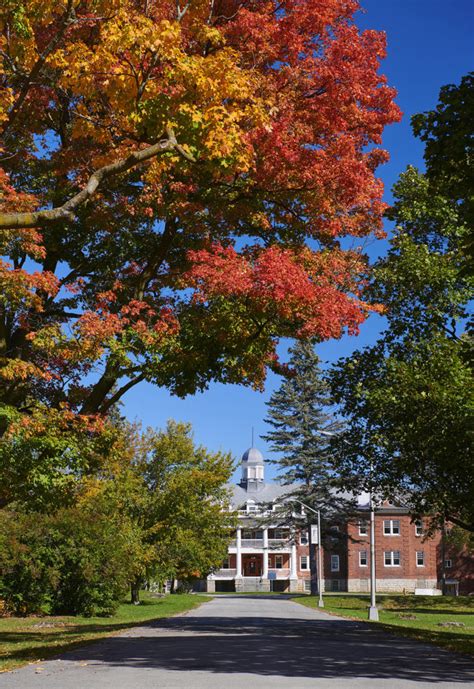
(141, 505)
(76, 561)
(299, 413)
(409, 399)
(43, 467)
(447, 134)
(187, 518)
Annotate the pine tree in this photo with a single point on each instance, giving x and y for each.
(304, 425)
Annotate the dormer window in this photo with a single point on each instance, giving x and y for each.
(251, 506)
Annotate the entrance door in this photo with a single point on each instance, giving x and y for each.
(252, 565)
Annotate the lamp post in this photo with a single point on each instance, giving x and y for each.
(373, 610)
(320, 555)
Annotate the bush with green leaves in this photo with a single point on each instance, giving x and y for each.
(77, 562)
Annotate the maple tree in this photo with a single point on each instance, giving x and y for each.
(175, 181)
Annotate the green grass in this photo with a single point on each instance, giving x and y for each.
(250, 593)
(29, 639)
(428, 610)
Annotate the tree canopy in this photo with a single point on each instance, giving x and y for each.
(409, 398)
(163, 167)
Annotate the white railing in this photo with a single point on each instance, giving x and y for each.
(230, 573)
(252, 542)
(281, 573)
(277, 541)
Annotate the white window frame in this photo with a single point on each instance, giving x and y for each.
(389, 526)
(304, 559)
(252, 506)
(335, 563)
(278, 559)
(363, 555)
(420, 558)
(304, 538)
(363, 527)
(226, 563)
(392, 556)
(418, 528)
(448, 563)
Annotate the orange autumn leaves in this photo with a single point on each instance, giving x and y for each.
(307, 293)
(275, 112)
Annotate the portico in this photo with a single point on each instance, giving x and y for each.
(263, 555)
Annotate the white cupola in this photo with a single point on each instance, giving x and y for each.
(253, 470)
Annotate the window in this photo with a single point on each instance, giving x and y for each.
(280, 534)
(334, 563)
(307, 585)
(362, 527)
(391, 527)
(420, 558)
(392, 558)
(225, 564)
(362, 558)
(448, 564)
(278, 561)
(304, 538)
(418, 528)
(251, 507)
(304, 562)
(335, 585)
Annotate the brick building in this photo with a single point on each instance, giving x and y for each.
(265, 556)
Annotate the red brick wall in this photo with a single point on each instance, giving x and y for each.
(407, 543)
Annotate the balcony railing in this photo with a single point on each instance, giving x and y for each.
(230, 573)
(252, 542)
(281, 572)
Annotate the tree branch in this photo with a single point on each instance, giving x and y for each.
(9, 221)
(120, 392)
(68, 19)
(460, 523)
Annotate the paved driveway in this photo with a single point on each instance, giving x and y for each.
(250, 643)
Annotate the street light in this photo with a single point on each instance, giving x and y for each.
(373, 610)
(320, 561)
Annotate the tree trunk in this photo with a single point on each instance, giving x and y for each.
(135, 592)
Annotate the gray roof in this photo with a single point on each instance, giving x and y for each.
(253, 456)
(269, 492)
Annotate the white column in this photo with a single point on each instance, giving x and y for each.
(293, 571)
(239, 553)
(265, 553)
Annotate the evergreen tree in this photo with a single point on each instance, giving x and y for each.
(303, 428)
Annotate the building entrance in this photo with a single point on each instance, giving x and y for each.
(252, 565)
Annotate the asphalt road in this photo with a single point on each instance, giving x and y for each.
(250, 643)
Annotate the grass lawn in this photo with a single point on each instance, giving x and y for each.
(28, 639)
(395, 613)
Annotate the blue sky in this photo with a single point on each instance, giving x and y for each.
(429, 45)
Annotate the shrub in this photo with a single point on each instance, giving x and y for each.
(76, 562)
